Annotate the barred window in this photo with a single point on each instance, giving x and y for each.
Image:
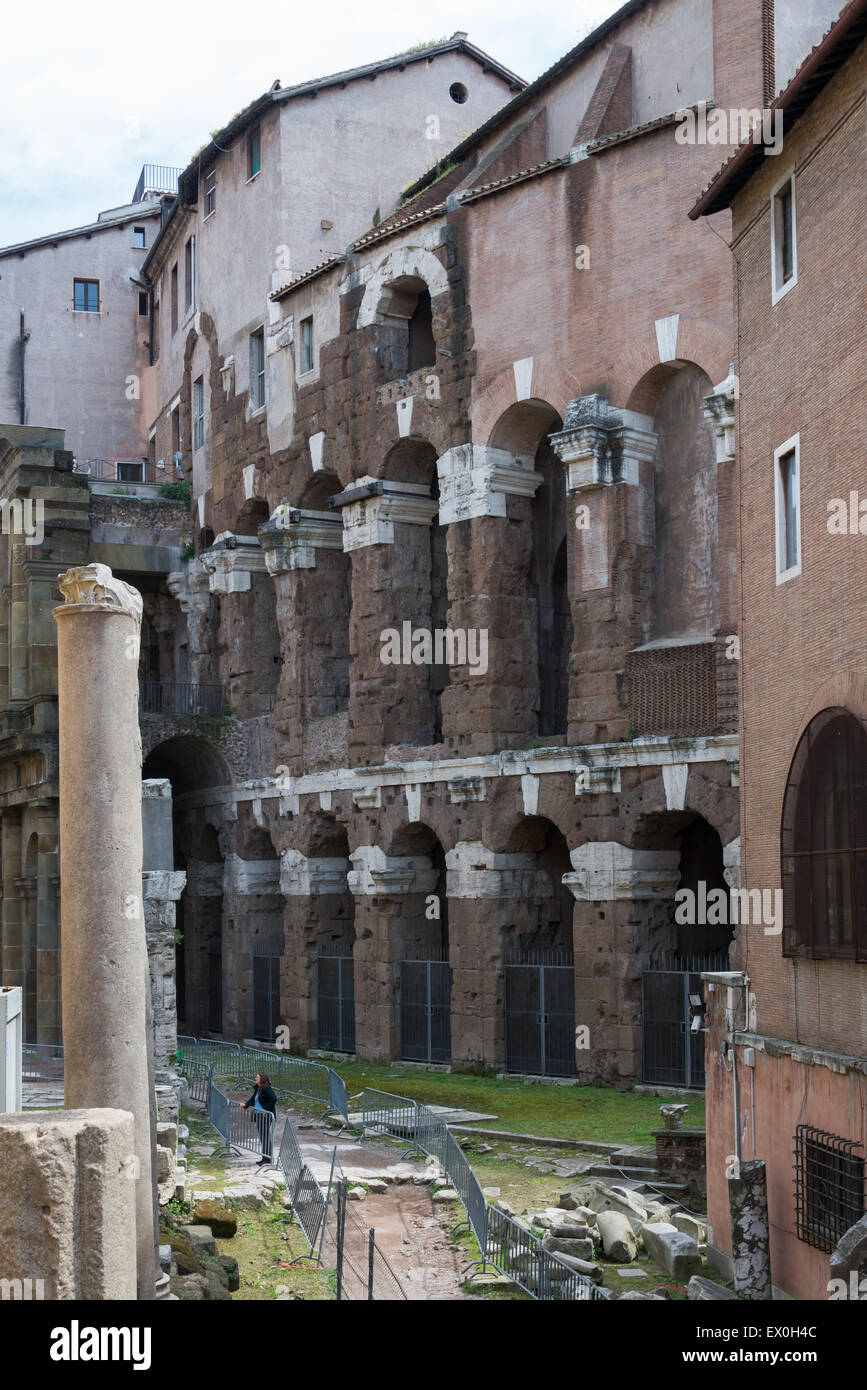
(829, 1186)
(824, 841)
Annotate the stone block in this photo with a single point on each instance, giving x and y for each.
(222, 1223)
(673, 1251)
(618, 1238)
(167, 1136)
(67, 1205)
(200, 1239)
(579, 1249)
(689, 1225)
(701, 1290)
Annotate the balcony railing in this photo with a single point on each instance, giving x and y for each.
(122, 471)
(173, 697)
(156, 178)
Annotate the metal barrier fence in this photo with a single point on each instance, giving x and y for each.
(309, 1202)
(502, 1241)
(293, 1076)
(198, 1076)
(362, 1271)
(42, 1062)
(239, 1128)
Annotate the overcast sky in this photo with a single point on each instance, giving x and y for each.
(93, 90)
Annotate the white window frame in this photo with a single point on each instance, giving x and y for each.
(198, 412)
(212, 173)
(303, 371)
(190, 288)
(792, 445)
(780, 287)
(257, 378)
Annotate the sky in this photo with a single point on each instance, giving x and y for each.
(99, 88)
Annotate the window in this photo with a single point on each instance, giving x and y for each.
(784, 244)
(823, 841)
(138, 237)
(198, 413)
(85, 296)
(422, 348)
(176, 434)
(175, 297)
(787, 504)
(210, 192)
(257, 369)
(254, 153)
(829, 1186)
(190, 273)
(143, 306)
(306, 345)
(130, 472)
(458, 93)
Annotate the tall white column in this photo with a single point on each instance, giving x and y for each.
(108, 1049)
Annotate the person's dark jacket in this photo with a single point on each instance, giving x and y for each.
(267, 1099)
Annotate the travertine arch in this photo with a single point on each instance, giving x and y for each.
(698, 342)
(548, 382)
(404, 262)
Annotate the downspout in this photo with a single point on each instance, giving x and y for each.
(23, 336)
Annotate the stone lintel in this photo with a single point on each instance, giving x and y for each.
(292, 537)
(603, 445)
(376, 873)
(607, 870)
(371, 520)
(462, 789)
(231, 561)
(475, 479)
(163, 885)
(251, 876)
(474, 871)
(301, 876)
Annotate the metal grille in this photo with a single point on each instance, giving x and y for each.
(824, 841)
(671, 1054)
(266, 996)
(425, 1010)
(829, 1186)
(540, 1013)
(309, 1202)
(42, 1062)
(335, 976)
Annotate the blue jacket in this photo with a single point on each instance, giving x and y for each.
(267, 1099)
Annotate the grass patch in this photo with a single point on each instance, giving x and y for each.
(265, 1239)
(560, 1112)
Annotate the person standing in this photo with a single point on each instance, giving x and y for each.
(262, 1102)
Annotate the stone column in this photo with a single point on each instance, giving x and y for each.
(751, 1248)
(486, 501)
(314, 891)
(614, 885)
(609, 455)
(386, 531)
(107, 1047)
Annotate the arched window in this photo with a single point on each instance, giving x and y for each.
(824, 841)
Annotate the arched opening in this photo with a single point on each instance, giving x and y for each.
(251, 516)
(524, 430)
(823, 841)
(191, 765)
(405, 335)
(426, 605)
(683, 928)
(538, 956)
(421, 938)
(332, 927)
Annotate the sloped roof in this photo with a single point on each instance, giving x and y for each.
(822, 63)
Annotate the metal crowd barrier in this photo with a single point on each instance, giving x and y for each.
(309, 1202)
(292, 1076)
(42, 1062)
(239, 1128)
(502, 1242)
(198, 1076)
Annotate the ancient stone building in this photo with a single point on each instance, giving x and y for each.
(787, 1081)
(446, 695)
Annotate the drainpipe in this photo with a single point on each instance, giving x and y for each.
(23, 336)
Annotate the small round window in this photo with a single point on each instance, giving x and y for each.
(458, 93)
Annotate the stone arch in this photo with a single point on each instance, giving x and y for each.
(697, 341)
(403, 265)
(549, 382)
(683, 850)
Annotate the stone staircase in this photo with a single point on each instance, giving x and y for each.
(636, 1169)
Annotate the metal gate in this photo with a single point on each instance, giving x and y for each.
(335, 976)
(425, 1011)
(672, 1055)
(266, 997)
(540, 1014)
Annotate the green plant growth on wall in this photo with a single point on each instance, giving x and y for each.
(177, 492)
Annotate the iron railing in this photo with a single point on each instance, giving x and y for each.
(42, 1062)
(174, 697)
(156, 178)
(128, 471)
